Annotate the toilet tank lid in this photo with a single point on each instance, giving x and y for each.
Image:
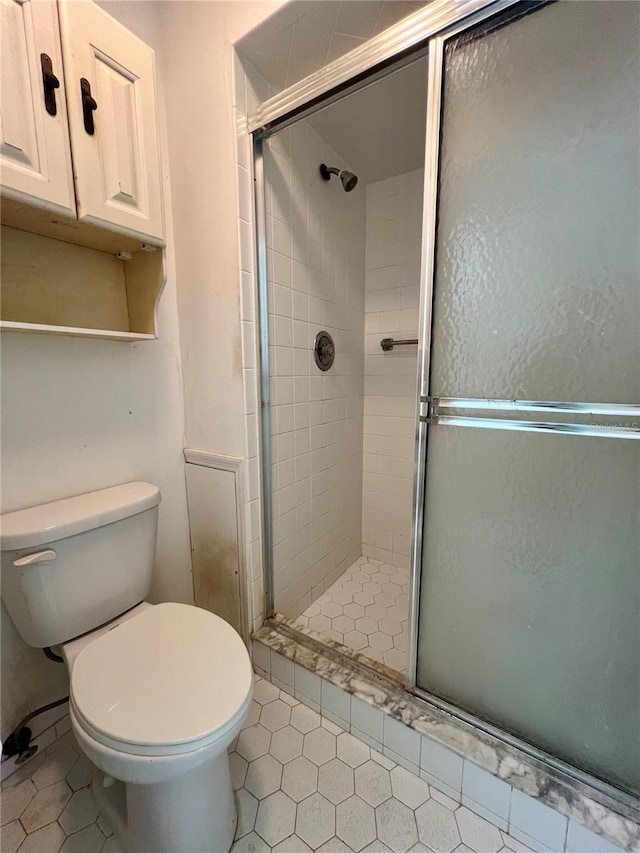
(38, 525)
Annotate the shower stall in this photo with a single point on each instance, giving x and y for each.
(343, 274)
(449, 257)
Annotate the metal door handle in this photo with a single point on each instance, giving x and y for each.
(88, 106)
(49, 83)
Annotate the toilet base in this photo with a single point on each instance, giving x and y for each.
(191, 813)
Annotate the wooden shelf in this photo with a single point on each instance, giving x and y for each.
(104, 334)
(50, 286)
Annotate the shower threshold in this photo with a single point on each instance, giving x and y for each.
(366, 609)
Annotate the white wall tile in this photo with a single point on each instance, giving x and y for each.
(307, 260)
(239, 85)
(246, 246)
(336, 703)
(582, 840)
(367, 719)
(250, 391)
(262, 656)
(282, 671)
(402, 760)
(307, 687)
(391, 310)
(401, 739)
(528, 840)
(363, 736)
(245, 194)
(443, 764)
(486, 794)
(537, 821)
(441, 786)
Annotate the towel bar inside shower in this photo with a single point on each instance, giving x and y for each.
(388, 344)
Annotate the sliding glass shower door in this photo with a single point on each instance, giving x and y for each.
(529, 613)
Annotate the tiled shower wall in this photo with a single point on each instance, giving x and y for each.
(316, 274)
(392, 213)
(394, 223)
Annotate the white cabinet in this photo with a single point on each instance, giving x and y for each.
(113, 147)
(35, 156)
(82, 222)
(117, 167)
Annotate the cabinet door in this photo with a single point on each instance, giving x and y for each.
(117, 167)
(34, 154)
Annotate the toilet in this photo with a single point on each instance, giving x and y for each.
(157, 692)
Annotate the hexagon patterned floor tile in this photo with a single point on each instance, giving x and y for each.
(301, 784)
(366, 609)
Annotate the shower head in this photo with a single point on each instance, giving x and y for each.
(349, 180)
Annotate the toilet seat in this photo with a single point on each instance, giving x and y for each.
(172, 680)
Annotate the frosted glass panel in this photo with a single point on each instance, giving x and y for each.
(530, 600)
(538, 244)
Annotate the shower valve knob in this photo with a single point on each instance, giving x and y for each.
(324, 350)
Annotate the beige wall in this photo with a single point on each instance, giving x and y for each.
(201, 132)
(204, 153)
(78, 414)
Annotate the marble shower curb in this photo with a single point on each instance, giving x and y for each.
(380, 687)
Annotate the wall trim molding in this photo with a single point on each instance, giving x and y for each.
(213, 460)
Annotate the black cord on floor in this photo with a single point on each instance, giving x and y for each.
(18, 742)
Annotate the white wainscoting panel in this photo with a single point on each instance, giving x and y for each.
(215, 494)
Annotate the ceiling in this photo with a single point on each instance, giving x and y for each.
(380, 130)
(305, 35)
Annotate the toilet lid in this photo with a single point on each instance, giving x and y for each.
(172, 675)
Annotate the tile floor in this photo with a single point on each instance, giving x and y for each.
(304, 784)
(301, 784)
(47, 806)
(367, 609)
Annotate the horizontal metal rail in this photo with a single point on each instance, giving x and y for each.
(620, 409)
(596, 430)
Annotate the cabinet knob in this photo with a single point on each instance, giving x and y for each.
(88, 106)
(49, 84)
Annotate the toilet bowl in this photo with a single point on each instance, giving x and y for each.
(157, 692)
(155, 701)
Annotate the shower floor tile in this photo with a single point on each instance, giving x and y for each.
(366, 609)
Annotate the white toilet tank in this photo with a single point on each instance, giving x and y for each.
(74, 564)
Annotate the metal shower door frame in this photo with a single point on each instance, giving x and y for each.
(427, 278)
(455, 411)
(362, 65)
(442, 410)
